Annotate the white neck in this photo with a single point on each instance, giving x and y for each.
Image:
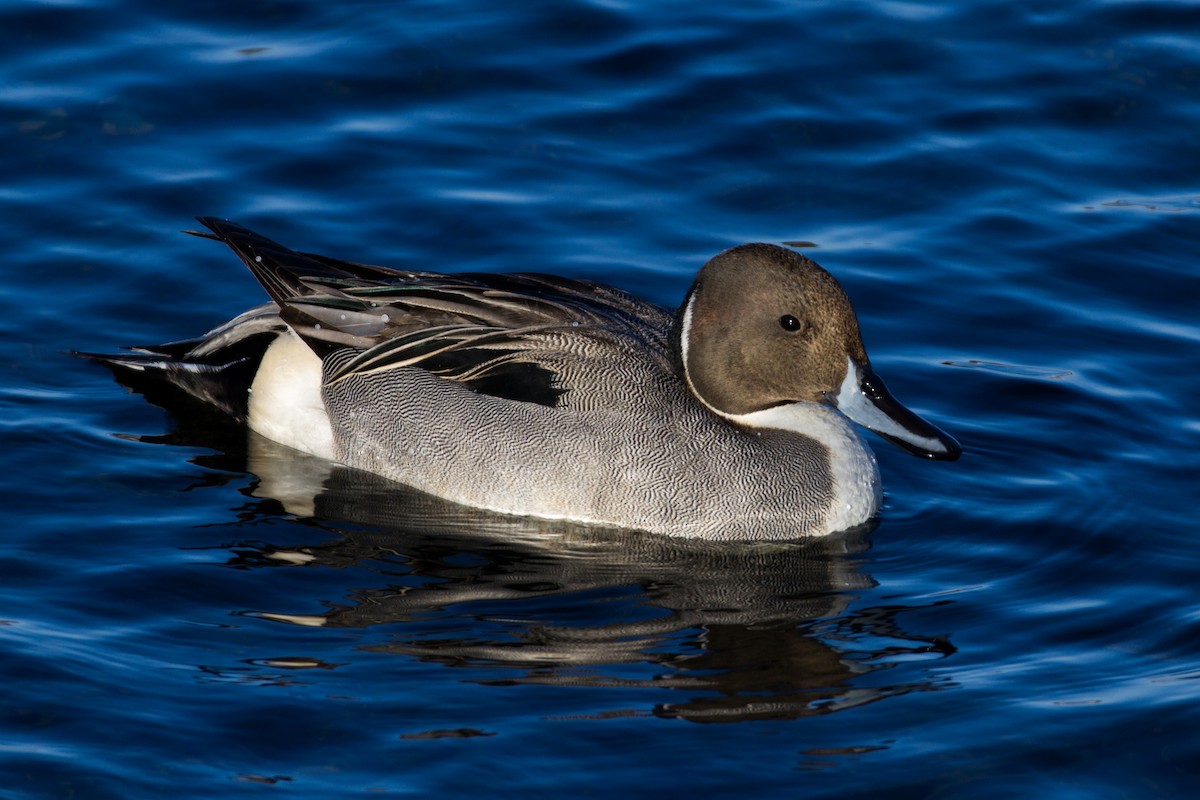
(856, 486)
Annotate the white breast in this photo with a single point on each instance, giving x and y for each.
(857, 490)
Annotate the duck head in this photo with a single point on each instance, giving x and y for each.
(763, 326)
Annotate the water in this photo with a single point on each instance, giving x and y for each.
(1008, 193)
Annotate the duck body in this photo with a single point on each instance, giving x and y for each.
(564, 399)
(650, 461)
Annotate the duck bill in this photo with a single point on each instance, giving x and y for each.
(864, 398)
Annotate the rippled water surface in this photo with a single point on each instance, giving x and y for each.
(1010, 194)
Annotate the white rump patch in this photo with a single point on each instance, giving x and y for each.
(285, 399)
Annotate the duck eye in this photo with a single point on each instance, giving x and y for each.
(789, 323)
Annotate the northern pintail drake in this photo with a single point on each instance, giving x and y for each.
(564, 399)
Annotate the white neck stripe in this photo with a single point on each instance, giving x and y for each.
(685, 333)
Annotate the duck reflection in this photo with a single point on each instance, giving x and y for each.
(742, 631)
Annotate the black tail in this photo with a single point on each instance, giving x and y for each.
(216, 369)
(280, 270)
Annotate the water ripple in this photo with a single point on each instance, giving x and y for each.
(1004, 192)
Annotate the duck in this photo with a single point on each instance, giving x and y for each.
(733, 418)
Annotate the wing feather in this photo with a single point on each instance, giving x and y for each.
(508, 335)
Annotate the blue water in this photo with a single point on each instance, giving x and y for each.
(1010, 194)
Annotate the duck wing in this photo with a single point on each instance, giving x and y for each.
(527, 337)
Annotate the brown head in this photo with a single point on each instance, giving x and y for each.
(764, 326)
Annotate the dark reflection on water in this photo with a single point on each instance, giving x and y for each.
(742, 632)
